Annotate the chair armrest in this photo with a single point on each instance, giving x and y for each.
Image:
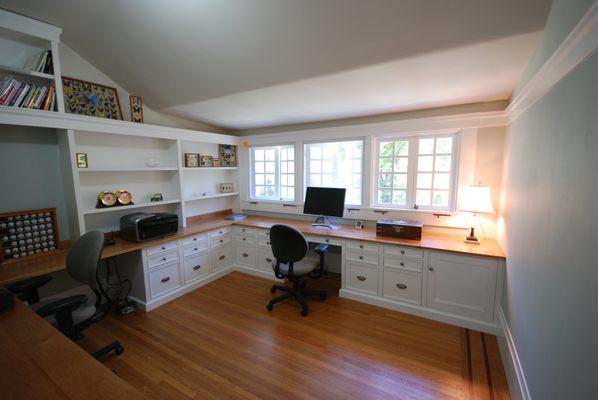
(322, 248)
(27, 288)
(70, 303)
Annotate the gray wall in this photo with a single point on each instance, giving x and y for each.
(30, 172)
(551, 238)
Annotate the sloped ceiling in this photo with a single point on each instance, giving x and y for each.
(252, 63)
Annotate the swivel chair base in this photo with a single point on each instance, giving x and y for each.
(114, 346)
(298, 292)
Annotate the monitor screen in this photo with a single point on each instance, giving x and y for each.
(324, 201)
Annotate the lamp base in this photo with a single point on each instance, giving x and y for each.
(471, 238)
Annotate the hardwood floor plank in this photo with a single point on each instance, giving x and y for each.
(498, 379)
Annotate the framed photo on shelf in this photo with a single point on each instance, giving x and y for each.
(228, 155)
(91, 99)
(206, 161)
(136, 108)
(82, 160)
(216, 162)
(191, 160)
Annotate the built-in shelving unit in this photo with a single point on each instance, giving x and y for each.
(24, 72)
(141, 169)
(212, 196)
(133, 206)
(209, 168)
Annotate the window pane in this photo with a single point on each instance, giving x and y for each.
(442, 181)
(270, 179)
(443, 163)
(315, 180)
(259, 167)
(425, 163)
(270, 191)
(399, 197)
(400, 181)
(402, 148)
(327, 180)
(384, 196)
(291, 167)
(385, 149)
(426, 146)
(284, 192)
(385, 180)
(271, 171)
(259, 179)
(424, 181)
(283, 180)
(422, 197)
(440, 198)
(270, 155)
(385, 165)
(327, 167)
(315, 166)
(444, 145)
(283, 168)
(260, 191)
(356, 181)
(401, 164)
(357, 166)
(259, 155)
(291, 153)
(315, 152)
(270, 167)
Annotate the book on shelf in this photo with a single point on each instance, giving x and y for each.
(15, 93)
(40, 62)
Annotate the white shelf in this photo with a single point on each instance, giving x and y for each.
(212, 196)
(142, 169)
(208, 168)
(22, 71)
(121, 208)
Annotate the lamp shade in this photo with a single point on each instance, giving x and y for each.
(477, 199)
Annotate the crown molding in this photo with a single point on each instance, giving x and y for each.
(579, 45)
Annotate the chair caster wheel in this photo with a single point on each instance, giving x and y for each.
(304, 313)
(272, 289)
(269, 307)
(119, 350)
(323, 296)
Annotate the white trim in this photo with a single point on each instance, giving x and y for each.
(579, 45)
(29, 26)
(510, 358)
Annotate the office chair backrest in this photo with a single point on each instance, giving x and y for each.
(288, 244)
(84, 256)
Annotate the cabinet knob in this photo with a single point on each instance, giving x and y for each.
(361, 257)
(245, 255)
(221, 241)
(162, 248)
(327, 240)
(195, 239)
(402, 264)
(243, 239)
(430, 268)
(361, 278)
(195, 249)
(402, 251)
(163, 258)
(401, 286)
(361, 246)
(196, 267)
(222, 257)
(268, 260)
(164, 280)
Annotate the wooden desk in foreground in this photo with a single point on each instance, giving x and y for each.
(39, 362)
(18, 270)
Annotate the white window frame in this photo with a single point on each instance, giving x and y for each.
(251, 188)
(413, 154)
(306, 170)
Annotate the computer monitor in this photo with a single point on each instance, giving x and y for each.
(324, 202)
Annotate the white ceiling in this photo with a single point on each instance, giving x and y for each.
(252, 63)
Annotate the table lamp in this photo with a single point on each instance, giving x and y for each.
(477, 199)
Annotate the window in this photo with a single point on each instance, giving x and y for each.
(416, 172)
(336, 164)
(273, 172)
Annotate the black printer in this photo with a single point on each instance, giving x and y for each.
(141, 227)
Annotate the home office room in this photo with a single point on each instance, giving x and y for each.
(276, 199)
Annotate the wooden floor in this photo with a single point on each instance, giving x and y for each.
(220, 342)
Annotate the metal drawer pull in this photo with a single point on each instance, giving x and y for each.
(402, 251)
(164, 258)
(401, 286)
(243, 239)
(243, 230)
(402, 264)
(245, 255)
(361, 246)
(195, 248)
(361, 278)
(268, 260)
(361, 257)
(162, 248)
(164, 280)
(196, 267)
(327, 240)
(195, 239)
(222, 257)
(221, 241)
(430, 268)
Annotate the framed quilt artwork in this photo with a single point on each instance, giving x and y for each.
(91, 99)
(136, 109)
(228, 155)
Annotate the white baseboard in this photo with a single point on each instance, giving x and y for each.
(510, 359)
(487, 327)
(263, 273)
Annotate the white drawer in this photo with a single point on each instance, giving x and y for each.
(356, 256)
(195, 248)
(264, 259)
(195, 239)
(263, 233)
(196, 266)
(402, 285)
(323, 239)
(161, 247)
(159, 259)
(221, 231)
(400, 251)
(363, 279)
(362, 246)
(264, 242)
(219, 241)
(245, 255)
(243, 229)
(221, 257)
(164, 280)
(411, 264)
(244, 238)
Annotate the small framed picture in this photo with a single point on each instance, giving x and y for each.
(82, 160)
(359, 224)
(136, 109)
(205, 161)
(216, 162)
(191, 160)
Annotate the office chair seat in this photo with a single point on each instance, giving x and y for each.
(300, 268)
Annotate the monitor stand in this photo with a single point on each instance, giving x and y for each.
(322, 223)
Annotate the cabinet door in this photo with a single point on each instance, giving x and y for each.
(462, 285)
(245, 255)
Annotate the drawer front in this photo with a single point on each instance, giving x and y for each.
(400, 251)
(219, 232)
(196, 266)
(264, 242)
(162, 247)
(323, 239)
(362, 246)
(244, 230)
(245, 255)
(195, 248)
(162, 258)
(355, 256)
(195, 239)
(410, 264)
(264, 259)
(363, 279)
(402, 285)
(263, 233)
(244, 238)
(222, 240)
(164, 280)
(222, 257)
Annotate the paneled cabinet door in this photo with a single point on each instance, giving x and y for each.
(462, 285)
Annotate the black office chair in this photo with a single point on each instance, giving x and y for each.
(74, 314)
(290, 247)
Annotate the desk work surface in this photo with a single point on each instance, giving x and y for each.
(37, 361)
(22, 269)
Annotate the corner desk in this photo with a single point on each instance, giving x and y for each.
(440, 277)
